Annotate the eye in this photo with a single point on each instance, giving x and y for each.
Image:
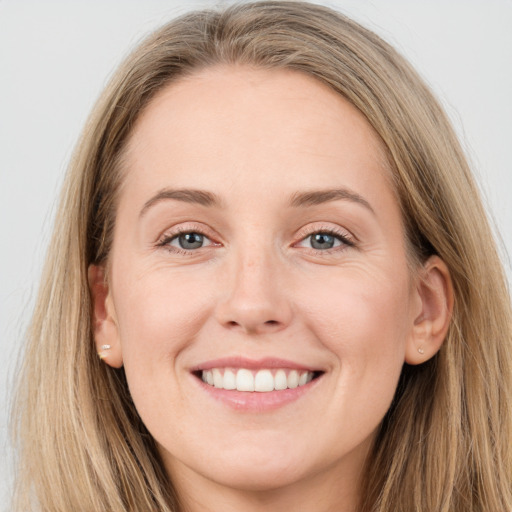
(187, 241)
(325, 240)
(322, 241)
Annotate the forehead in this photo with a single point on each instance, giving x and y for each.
(233, 125)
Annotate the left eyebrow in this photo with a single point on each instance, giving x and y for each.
(185, 195)
(316, 197)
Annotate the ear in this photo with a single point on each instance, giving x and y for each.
(104, 322)
(434, 290)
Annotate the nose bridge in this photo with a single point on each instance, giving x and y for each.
(254, 278)
(255, 300)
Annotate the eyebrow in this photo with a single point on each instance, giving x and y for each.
(185, 195)
(316, 197)
(299, 199)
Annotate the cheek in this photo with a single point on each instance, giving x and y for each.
(363, 319)
(158, 316)
(359, 305)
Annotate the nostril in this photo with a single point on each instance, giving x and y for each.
(254, 327)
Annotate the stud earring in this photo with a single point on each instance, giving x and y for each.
(421, 351)
(104, 348)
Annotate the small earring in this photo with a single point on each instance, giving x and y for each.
(421, 351)
(102, 354)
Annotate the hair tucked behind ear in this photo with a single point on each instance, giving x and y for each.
(444, 446)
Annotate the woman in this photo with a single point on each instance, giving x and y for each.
(270, 237)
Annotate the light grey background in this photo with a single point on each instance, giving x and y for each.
(56, 56)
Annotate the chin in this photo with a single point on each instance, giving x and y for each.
(256, 477)
(246, 466)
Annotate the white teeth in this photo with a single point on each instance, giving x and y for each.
(218, 380)
(229, 380)
(293, 379)
(262, 381)
(280, 381)
(244, 380)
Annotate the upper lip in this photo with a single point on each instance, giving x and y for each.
(252, 364)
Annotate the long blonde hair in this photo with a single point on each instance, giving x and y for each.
(446, 443)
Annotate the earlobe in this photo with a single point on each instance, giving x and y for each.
(435, 292)
(104, 322)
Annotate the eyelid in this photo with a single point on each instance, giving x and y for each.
(324, 227)
(170, 241)
(185, 227)
(346, 237)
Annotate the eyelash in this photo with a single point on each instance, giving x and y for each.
(345, 239)
(165, 240)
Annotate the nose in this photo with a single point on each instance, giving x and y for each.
(256, 299)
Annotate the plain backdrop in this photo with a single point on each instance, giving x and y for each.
(56, 56)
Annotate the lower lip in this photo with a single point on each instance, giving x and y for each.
(256, 401)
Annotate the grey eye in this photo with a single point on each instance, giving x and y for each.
(322, 241)
(188, 241)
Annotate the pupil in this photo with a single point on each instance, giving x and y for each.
(190, 240)
(322, 241)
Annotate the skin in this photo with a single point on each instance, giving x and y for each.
(257, 288)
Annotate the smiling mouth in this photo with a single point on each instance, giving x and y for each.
(261, 381)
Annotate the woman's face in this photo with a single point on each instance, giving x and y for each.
(259, 244)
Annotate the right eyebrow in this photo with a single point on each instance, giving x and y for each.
(315, 197)
(201, 197)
